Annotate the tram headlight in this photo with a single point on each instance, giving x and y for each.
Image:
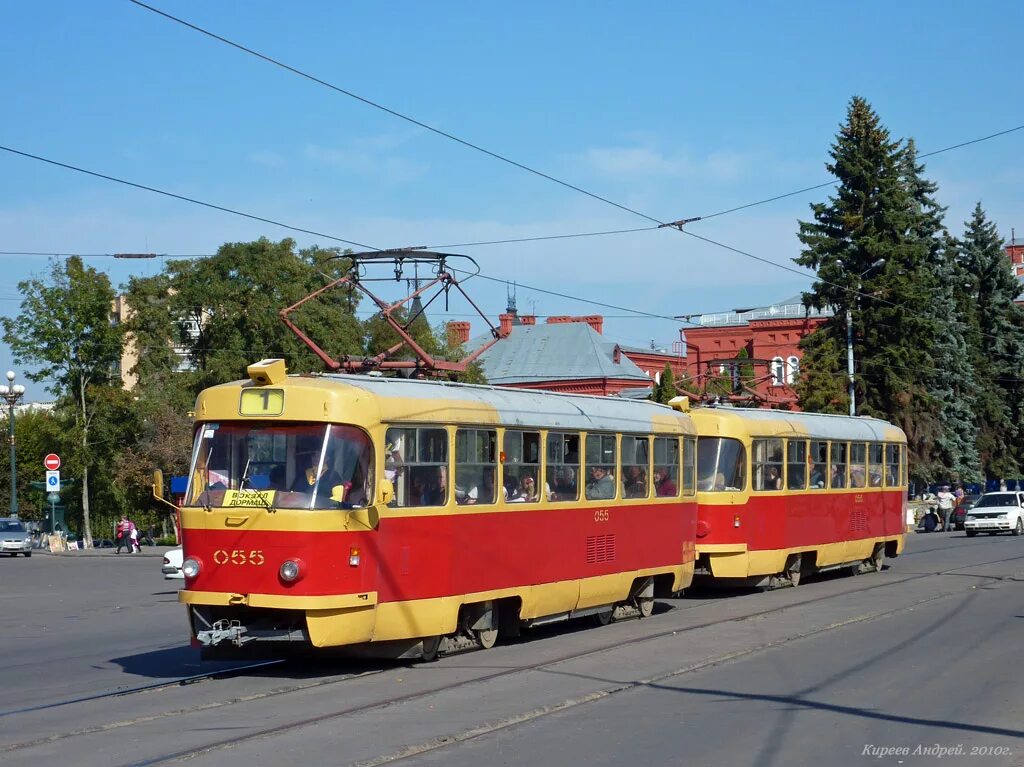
(190, 567)
(291, 570)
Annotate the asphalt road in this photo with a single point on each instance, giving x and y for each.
(919, 664)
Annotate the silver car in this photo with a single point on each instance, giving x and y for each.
(14, 538)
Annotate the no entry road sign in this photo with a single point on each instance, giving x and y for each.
(52, 462)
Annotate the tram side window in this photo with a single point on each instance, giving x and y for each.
(903, 465)
(600, 467)
(521, 466)
(416, 461)
(689, 465)
(892, 465)
(796, 468)
(875, 450)
(837, 465)
(636, 463)
(858, 461)
(666, 467)
(721, 465)
(476, 465)
(767, 463)
(819, 464)
(564, 466)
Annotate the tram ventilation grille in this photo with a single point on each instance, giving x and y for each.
(600, 548)
(858, 521)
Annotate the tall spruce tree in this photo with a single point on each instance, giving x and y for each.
(949, 379)
(997, 331)
(872, 260)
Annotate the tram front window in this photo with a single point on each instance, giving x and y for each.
(298, 466)
(721, 465)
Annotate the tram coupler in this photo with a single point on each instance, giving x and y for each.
(224, 630)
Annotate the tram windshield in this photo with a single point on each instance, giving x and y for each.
(284, 465)
(721, 465)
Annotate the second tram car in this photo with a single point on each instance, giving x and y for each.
(783, 494)
(400, 515)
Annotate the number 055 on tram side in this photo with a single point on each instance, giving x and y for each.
(407, 517)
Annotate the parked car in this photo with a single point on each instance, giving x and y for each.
(172, 565)
(966, 504)
(1001, 512)
(14, 538)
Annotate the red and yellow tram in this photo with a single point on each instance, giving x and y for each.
(783, 494)
(337, 510)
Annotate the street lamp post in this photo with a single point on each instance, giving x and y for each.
(12, 392)
(849, 336)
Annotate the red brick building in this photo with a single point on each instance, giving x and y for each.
(770, 335)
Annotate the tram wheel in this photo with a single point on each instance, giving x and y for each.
(431, 646)
(486, 637)
(646, 606)
(602, 618)
(877, 558)
(792, 573)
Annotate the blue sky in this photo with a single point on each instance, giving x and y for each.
(675, 109)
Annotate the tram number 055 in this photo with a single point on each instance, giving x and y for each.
(239, 557)
(602, 515)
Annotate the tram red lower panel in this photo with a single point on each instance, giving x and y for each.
(438, 555)
(788, 521)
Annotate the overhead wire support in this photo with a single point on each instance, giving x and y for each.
(679, 224)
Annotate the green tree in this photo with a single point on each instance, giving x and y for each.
(36, 433)
(872, 249)
(226, 308)
(665, 388)
(64, 331)
(996, 331)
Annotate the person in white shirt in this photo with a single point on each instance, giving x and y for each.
(946, 501)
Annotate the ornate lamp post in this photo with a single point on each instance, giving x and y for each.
(12, 392)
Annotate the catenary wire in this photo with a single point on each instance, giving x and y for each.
(183, 198)
(501, 157)
(399, 115)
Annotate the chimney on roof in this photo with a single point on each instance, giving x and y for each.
(505, 324)
(529, 319)
(458, 333)
(596, 321)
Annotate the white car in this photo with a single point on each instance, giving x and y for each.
(172, 565)
(14, 538)
(1001, 512)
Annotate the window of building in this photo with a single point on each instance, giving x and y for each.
(666, 467)
(796, 464)
(476, 466)
(521, 468)
(416, 461)
(766, 463)
(837, 465)
(564, 466)
(819, 464)
(778, 371)
(600, 467)
(792, 370)
(636, 462)
(721, 465)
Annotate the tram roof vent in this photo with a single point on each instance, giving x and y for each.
(682, 404)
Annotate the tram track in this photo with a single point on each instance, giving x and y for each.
(169, 683)
(269, 732)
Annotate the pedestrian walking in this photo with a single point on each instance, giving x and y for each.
(946, 500)
(122, 535)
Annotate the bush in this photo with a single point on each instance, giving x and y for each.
(167, 540)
